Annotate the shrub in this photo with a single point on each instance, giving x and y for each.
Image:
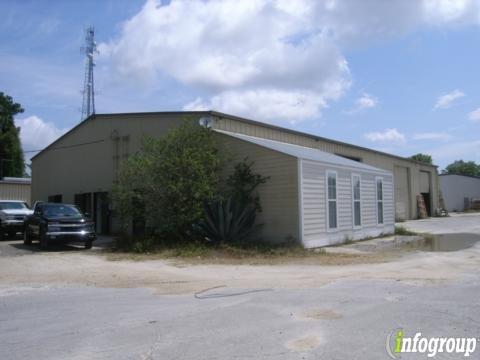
(167, 181)
(228, 221)
(242, 184)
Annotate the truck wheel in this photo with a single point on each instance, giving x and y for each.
(43, 241)
(88, 244)
(27, 238)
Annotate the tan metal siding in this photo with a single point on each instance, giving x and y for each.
(15, 191)
(84, 160)
(278, 196)
(373, 158)
(402, 193)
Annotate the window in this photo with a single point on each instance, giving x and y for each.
(332, 199)
(55, 198)
(357, 212)
(379, 182)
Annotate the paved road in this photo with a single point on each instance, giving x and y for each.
(344, 320)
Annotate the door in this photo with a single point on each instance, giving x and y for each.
(425, 181)
(101, 213)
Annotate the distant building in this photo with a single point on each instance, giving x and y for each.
(82, 165)
(12, 188)
(459, 190)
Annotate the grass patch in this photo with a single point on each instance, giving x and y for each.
(401, 230)
(245, 253)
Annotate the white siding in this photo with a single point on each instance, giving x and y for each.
(314, 208)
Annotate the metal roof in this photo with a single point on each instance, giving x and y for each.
(303, 152)
(16, 180)
(233, 117)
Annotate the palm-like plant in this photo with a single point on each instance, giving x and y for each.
(228, 221)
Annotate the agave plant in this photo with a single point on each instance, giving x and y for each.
(228, 221)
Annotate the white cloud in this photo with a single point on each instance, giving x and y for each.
(431, 136)
(390, 135)
(445, 101)
(439, 12)
(366, 101)
(235, 51)
(474, 115)
(36, 134)
(269, 105)
(288, 54)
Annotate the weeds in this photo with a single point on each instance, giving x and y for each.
(401, 230)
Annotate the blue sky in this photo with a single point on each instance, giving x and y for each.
(398, 76)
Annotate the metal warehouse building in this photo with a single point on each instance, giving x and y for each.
(81, 166)
(458, 191)
(13, 188)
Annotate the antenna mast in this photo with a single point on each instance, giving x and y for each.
(88, 104)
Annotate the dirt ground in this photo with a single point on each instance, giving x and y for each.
(178, 277)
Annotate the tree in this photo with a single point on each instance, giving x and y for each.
(11, 153)
(168, 181)
(242, 184)
(460, 167)
(423, 158)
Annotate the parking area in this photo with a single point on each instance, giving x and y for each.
(76, 304)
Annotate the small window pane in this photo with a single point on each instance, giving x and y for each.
(332, 186)
(356, 208)
(379, 189)
(380, 212)
(332, 214)
(356, 188)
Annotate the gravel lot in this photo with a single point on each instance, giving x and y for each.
(75, 304)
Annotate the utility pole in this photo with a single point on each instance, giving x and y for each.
(88, 104)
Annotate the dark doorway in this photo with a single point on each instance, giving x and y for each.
(55, 198)
(426, 200)
(84, 202)
(101, 213)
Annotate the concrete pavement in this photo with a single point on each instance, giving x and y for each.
(343, 320)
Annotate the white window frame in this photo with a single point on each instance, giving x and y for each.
(377, 200)
(327, 200)
(356, 200)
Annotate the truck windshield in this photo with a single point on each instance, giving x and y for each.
(60, 210)
(7, 205)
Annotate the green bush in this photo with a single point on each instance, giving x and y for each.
(243, 182)
(167, 181)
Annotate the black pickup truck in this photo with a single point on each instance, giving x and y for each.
(51, 222)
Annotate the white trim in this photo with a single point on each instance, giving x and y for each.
(300, 200)
(377, 200)
(327, 222)
(356, 227)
